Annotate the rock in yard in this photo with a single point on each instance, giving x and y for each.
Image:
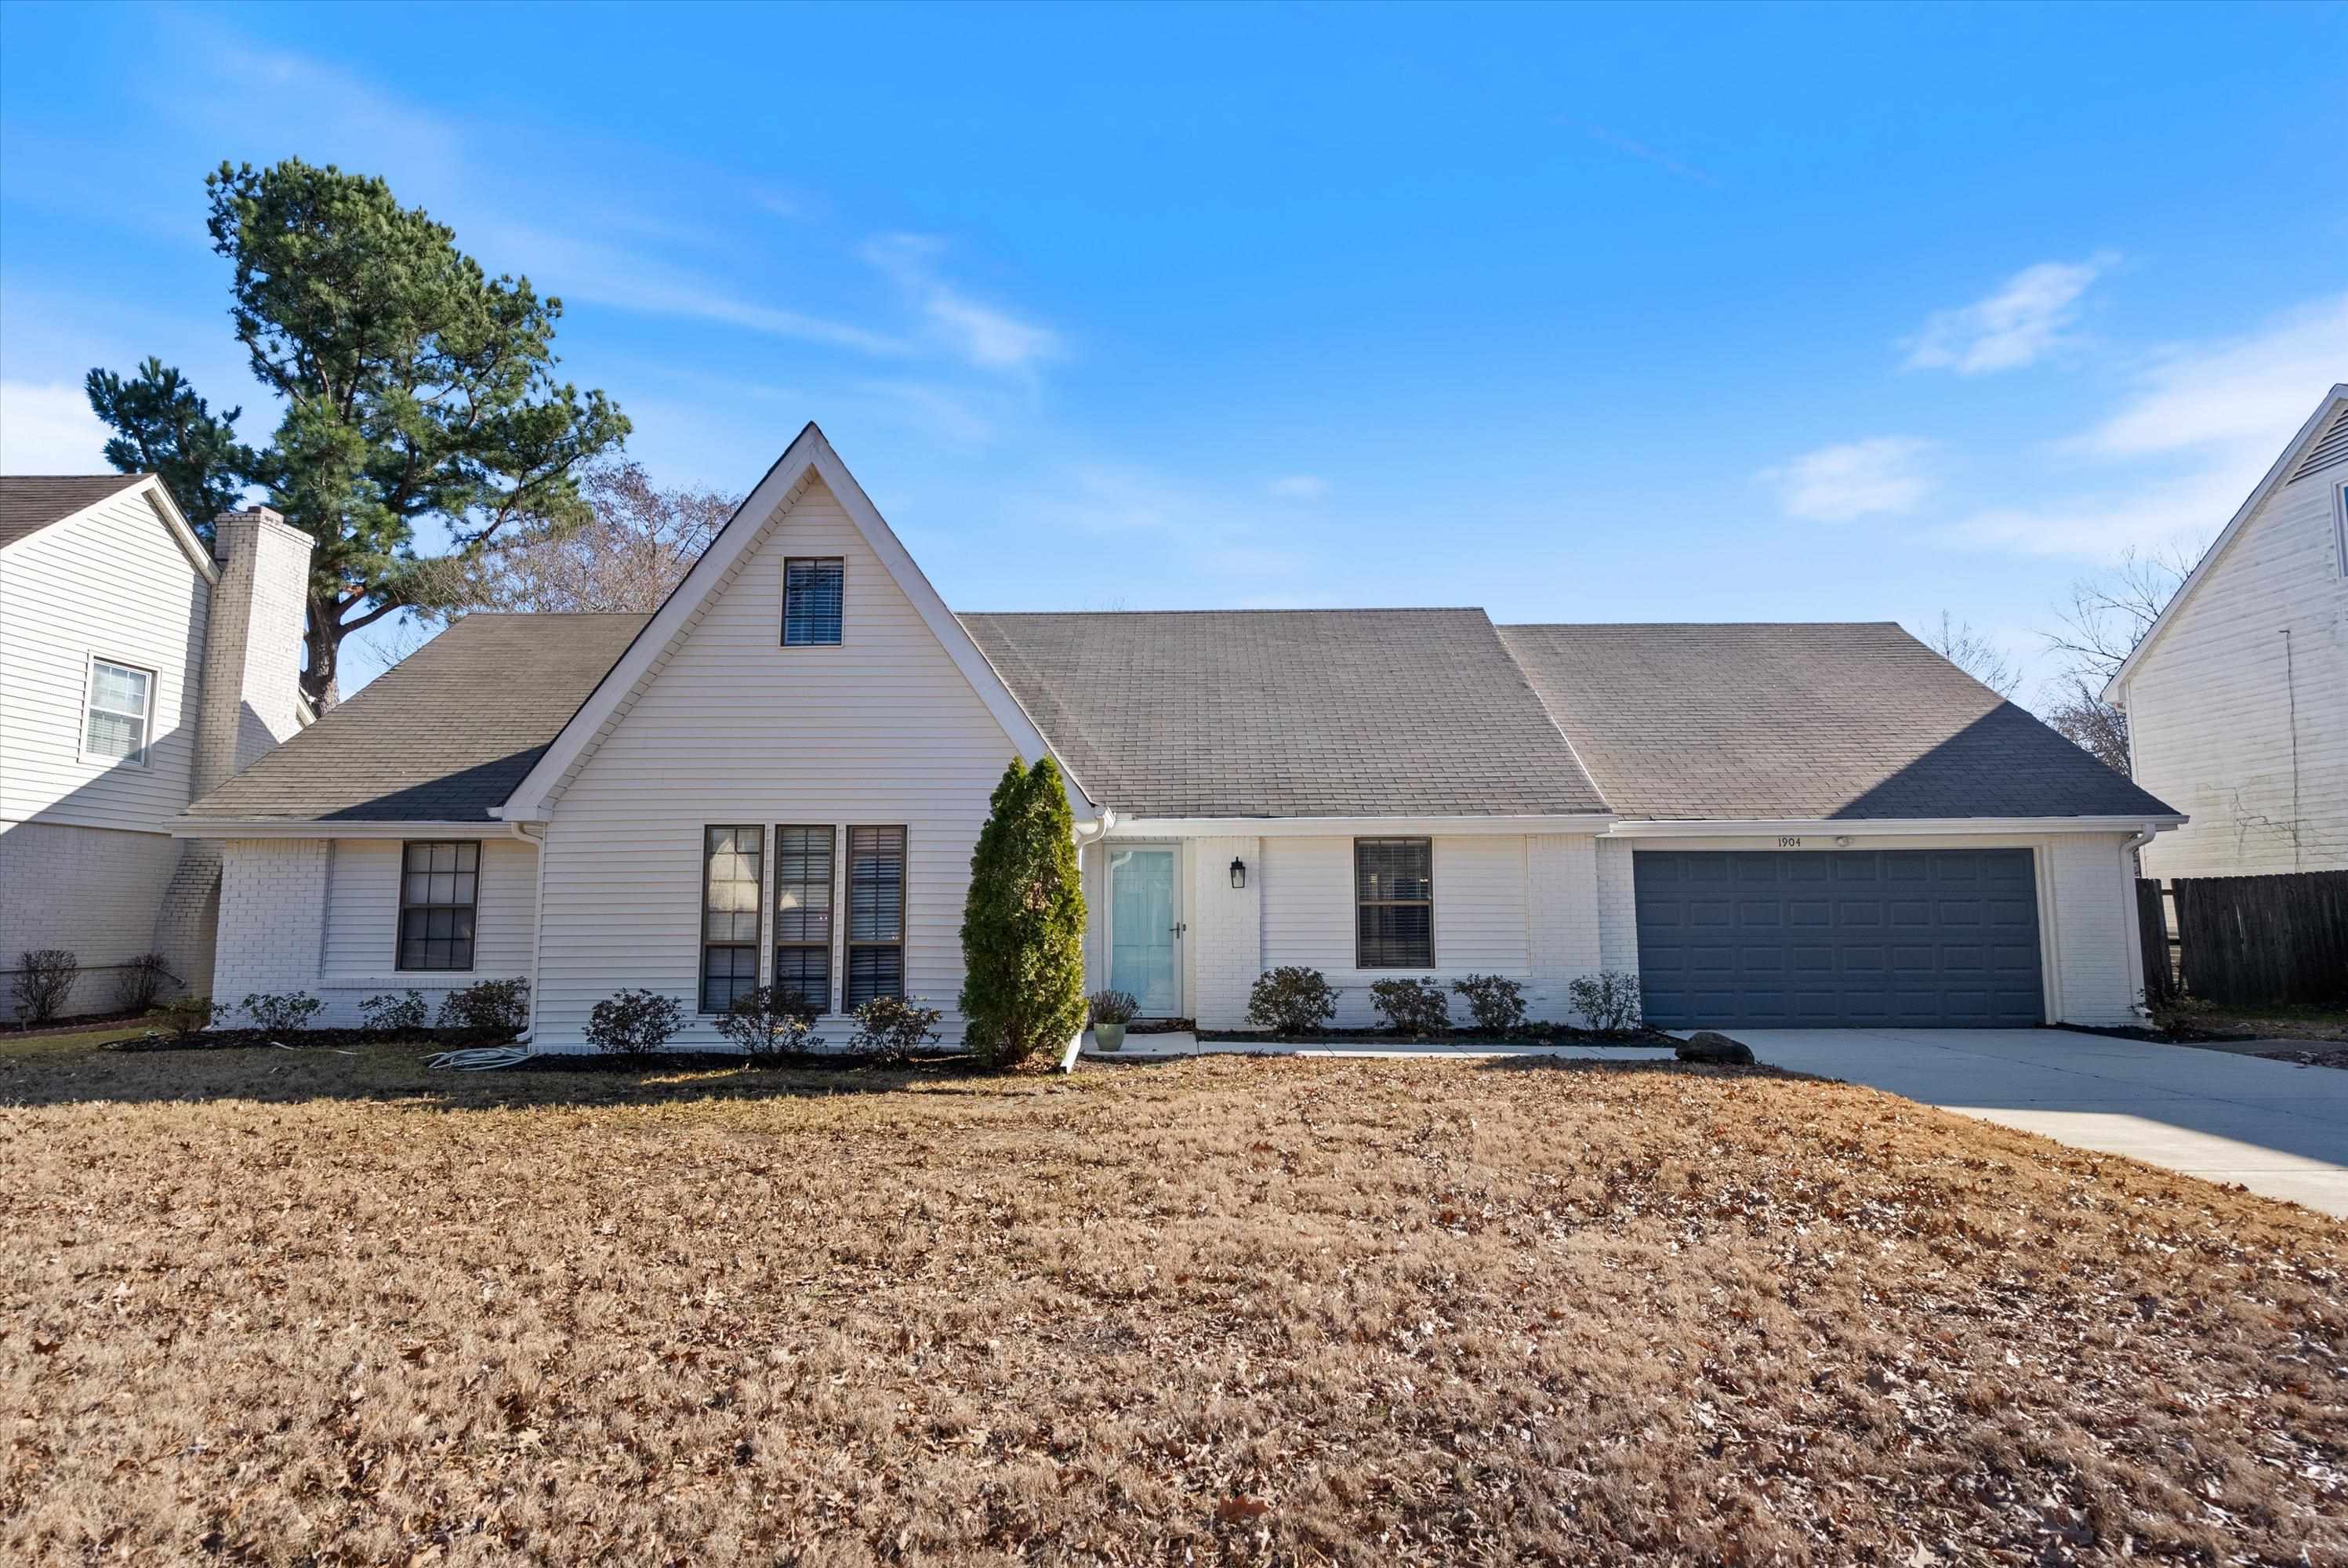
(1708, 1046)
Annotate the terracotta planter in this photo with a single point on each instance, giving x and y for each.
(1109, 1037)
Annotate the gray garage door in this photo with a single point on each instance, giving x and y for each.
(1796, 938)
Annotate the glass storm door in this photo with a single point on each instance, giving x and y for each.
(1144, 929)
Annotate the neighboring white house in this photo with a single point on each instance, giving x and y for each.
(782, 773)
(137, 673)
(2237, 697)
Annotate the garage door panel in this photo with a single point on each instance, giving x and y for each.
(1923, 938)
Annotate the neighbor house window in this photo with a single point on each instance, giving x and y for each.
(439, 890)
(812, 594)
(729, 915)
(121, 704)
(876, 914)
(803, 912)
(1393, 904)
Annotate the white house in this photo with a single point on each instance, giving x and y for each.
(137, 673)
(781, 774)
(2237, 697)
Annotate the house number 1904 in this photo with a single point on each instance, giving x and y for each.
(1789, 843)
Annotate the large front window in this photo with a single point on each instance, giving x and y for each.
(729, 915)
(876, 914)
(803, 925)
(439, 892)
(1394, 903)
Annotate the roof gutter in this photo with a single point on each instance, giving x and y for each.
(1881, 827)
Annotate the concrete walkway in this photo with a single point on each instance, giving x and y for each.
(2279, 1129)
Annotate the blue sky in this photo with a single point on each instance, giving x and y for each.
(1669, 314)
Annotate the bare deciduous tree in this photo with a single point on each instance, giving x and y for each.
(639, 544)
(1974, 654)
(2107, 617)
(2076, 711)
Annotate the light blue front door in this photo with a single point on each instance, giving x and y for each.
(1145, 915)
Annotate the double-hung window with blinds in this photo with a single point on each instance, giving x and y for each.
(1393, 900)
(731, 866)
(121, 703)
(803, 923)
(876, 914)
(439, 892)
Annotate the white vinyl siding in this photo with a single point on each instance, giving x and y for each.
(2240, 727)
(883, 729)
(113, 586)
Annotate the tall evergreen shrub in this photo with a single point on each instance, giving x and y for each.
(1022, 927)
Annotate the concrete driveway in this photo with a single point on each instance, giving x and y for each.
(2279, 1129)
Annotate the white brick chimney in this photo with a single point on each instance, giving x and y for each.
(252, 644)
(252, 674)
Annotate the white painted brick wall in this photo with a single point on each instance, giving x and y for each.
(90, 891)
(297, 914)
(1618, 909)
(1562, 876)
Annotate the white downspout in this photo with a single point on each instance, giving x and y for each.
(2130, 868)
(1097, 830)
(537, 920)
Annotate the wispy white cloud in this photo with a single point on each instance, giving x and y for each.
(2188, 445)
(581, 269)
(2020, 325)
(1884, 475)
(1645, 154)
(1298, 486)
(47, 427)
(987, 336)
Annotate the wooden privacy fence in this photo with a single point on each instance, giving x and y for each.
(2253, 939)
(2152, 936)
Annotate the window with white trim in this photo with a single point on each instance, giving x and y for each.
(876, 914)
(121, 712)
(1393, 904)
(803, 924)
(440, 894)
(2340, 527)
(730, 867)
(814, 597)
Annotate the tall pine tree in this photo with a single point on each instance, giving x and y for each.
(1023, 929)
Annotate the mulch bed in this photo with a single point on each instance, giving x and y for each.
(303, 1039)
(2314, 1057)
(1558, 1036)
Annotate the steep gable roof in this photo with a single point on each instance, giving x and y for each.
(1803, 722)
(1290, 713)
(2318, 440)
(30, 503)
(441, 736)
(808, 461)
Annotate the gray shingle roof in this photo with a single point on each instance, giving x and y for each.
(1772, 721)
(442, 736)
(30, 502)
(1288, 713)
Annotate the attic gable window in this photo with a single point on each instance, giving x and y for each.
(121, 704)
(813, 592)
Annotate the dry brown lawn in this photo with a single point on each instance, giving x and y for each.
(279, 1307)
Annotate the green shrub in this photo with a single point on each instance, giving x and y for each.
(1608, 1000)
(893, 1026)
(495, 1009)
(1023, 928)
(404, 1012)
(1495, 1002)
(1292, 1000)
(281, 1012)
(633, 1023)
(144, 981)
(771, 1021)
(185, 1017)
(1412, 1006)
(45, 979)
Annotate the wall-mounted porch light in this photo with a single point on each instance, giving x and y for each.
(1239, 872)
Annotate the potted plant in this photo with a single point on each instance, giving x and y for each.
(1112, 1011)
